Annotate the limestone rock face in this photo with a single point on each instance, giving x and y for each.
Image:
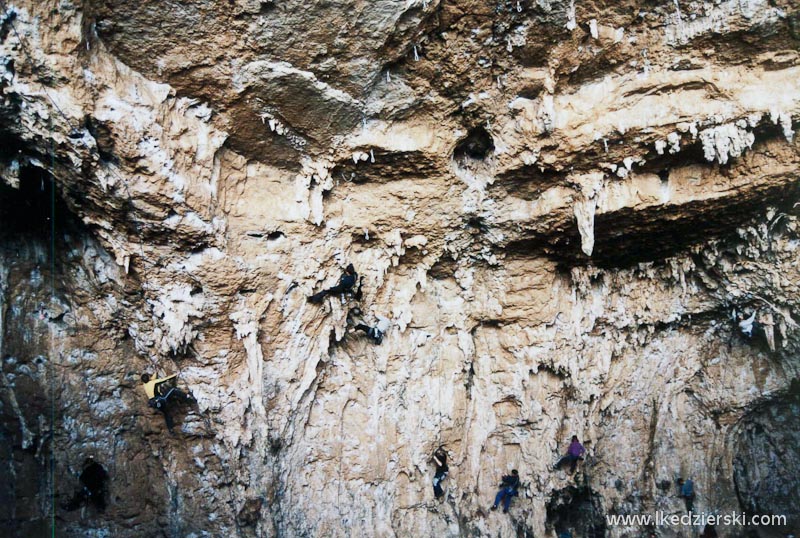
(564, 207)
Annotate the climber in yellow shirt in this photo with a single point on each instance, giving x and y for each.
(150, 384)
(160, 394)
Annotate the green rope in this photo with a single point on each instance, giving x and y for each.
(52, 350)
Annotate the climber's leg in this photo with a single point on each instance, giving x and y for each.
(181, 396)
(338, 288)
(318, 297)
(574, 463)
(499, 498)
(162, 406)
(507, 500)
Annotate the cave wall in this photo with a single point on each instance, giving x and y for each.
(562, 206)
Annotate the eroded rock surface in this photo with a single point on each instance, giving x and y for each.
(562, 206)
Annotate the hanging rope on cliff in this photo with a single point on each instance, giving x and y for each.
(76, 133)
(73, 131)
(440, 380)
(9, 16)
(52, 355)
(229, 479)
(438, 363)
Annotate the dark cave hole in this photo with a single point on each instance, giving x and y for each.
(765, 478)
(443, 268)
(10, 65)
(530, 92)
(476, 146)
(32, 209)
(577, 511)
(10, 146)
(274, 236)
(184, 352)
(275, 445)
(6, 26)
(478, 224)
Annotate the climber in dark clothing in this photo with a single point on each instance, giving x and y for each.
(376, 332)
(93, 487)
(687, 492)
(346, 284)
(509, 487)
(440, 458)
(160, 395)
(575, 453)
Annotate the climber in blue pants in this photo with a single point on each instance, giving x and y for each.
(508, 488)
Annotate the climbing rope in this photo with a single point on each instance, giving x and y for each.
(52, 354)
(9, 16)
(439, 373)
(53, 365)
(227, 470)
(439, 376)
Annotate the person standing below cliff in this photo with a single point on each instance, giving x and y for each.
(687, 492)
(93, 487)
(160, 396)
(575, 453)
(440, 458)
(509, 487)
(346, 284)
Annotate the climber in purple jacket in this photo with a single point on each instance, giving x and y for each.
(575, 453)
